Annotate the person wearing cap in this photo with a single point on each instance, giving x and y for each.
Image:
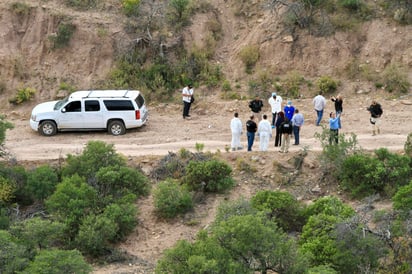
(289, 110)
(187, 94)
(275, 102)
(251, 128)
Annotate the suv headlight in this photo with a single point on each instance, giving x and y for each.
(33, 117)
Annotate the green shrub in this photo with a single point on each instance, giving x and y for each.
(130, 7)
(41, 182)
(67, 87)
(395, 79)
(23, 95)
(350, 4)
(281, 207)
(329, 205)
(292, 83)
(20, 8)
(178, 12)
(14, 256)
(96, 234)
(7, 190)
(364, 175)
(226, 86)
(402, 200)
(408, 145)
(63, 35)
(326, 84)
(249, 56)
(4, 125)
(239, 207)
(208, 176)
(64, 261)
(171, 199)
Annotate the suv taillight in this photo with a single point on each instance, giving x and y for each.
(137, 113)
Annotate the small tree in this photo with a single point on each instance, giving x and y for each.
(41, 182)
(4, 125)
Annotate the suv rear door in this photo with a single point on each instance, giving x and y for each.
(94, 117)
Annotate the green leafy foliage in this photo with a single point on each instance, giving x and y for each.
(64, 33)
(117, 181)
(237, 207)
(330, 205)
(64, 261)
(171, 199)
(364, 175)
(96, 155)
(395, 79)
(72, 201)
(41, 182)
(4, 125)
(258, 244)
(23, 95)
(249, 56)
(208, 176)
(95, 234)
(281, 207)
(408, 145)
(38, 233)
(7, 190)
(130, 7)
(14, 256)
(20, 8)
(326, 84)
(402, 200)
(178, 11)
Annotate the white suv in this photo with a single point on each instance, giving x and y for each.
(111, 110)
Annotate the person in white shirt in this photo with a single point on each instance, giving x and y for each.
(275, 102)
(236, 128)
(264, 132)
(319, 103)
(187, 94)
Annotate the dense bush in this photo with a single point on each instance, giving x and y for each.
(23, 95)
(7, 190)
(237, 207)
(171, 199)
(64, 261)
(208, 176)
(402, 200)
(64, 33)
(14, 256)
(395, 79)
(326, 84)
(249, 56)
(41, 182)
(281, 207)
(4, 125)
(363, 174)
(131, 7)
(329, 205)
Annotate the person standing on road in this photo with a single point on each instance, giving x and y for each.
(286, 129)
(334, 128)
(265, 132)
(376, 112)
(338, 100)
(297, 122)
(289, 110)
(188, 99)
(279, 121)
(251, 129)
(256, 106)
(319, 104)
(236, 128)
(275, 103)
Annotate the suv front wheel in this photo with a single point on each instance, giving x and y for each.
(116, 127)
(48, 128)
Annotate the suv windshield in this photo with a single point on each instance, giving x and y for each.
(60, 103)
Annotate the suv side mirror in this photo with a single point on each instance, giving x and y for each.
(63, 110)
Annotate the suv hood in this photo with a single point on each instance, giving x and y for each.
(44, 107)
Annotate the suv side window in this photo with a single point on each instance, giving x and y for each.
(74, 106)
(139, 101)
(118, 105)
(91, 105)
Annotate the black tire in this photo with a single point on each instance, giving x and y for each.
(48, 128)
(116, 128)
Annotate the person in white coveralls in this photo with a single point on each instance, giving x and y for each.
(236, 128)
(264, 132)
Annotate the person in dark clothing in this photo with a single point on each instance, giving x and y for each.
(256, 107)
(376, 112)
(279, 121)
(338, 100)
(286, 128)
(251, 128)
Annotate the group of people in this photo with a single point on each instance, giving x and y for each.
(285, 122)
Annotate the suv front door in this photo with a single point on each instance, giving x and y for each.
(71, 116)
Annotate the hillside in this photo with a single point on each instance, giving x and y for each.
(28, 60)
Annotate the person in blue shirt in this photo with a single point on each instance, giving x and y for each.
(334, 128)
(297, 121)
(289, 110)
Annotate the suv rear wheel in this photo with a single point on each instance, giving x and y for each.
(116, 127)
(48, 128)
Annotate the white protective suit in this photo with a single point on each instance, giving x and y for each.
(264, 132)
(236, 128)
